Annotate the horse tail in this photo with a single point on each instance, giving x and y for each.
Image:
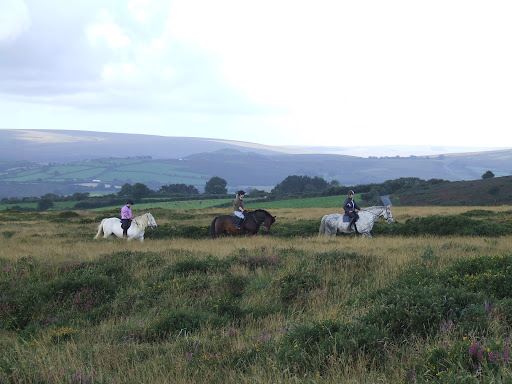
(100, 229)
(213, 233)
(321, 230)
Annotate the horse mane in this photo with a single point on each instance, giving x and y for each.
(261, 210)
(376, 207)
(137, 219)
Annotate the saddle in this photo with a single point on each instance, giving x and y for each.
(346, 218)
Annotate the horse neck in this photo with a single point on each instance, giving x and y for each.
(376, 209)
(258, 216)
(139, 222)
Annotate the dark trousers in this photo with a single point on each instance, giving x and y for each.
(353, 218)
(125, 224)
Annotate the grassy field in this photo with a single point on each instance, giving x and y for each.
(313, 202)
(108, 170)
(264, 309)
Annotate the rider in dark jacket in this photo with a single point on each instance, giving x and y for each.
(350, 207)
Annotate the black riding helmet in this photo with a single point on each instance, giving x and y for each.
(130, 202)
(351, 192)
(241, 192)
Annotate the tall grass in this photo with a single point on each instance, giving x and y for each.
(248, 309)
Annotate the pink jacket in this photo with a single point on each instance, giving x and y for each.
(126, 212)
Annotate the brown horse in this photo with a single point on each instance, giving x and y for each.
(251, 224)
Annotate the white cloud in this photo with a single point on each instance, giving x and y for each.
(14, 19)
(142, 10)
(106, 30)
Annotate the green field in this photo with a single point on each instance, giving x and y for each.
(313, 202)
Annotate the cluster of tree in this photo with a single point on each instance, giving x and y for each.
(78, 196)
(300, 185)
(292, 186)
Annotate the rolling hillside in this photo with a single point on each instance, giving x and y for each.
(33, 163)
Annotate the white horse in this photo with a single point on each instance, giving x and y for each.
(112, 226)
(334, 223)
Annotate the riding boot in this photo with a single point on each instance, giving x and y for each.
(239, 224)
(353, 224)
(125, 233)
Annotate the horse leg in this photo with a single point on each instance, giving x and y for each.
(213, 229)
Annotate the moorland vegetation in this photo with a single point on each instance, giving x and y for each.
(417, 303)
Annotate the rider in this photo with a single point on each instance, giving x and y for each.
(126, 217)
(238, 207)
(350, 207)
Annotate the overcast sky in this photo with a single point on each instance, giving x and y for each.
(280, 72)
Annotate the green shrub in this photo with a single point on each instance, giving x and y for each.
(178, 322)
(233, 284)
(308, 348)
(8, 234)
(464, 360)
(478, 213)
(189, 231)
(226, 306)
(254, 262)
(293, 284)
(417, 310)
(443, 226)
(299, 228)
(210, 264)
(488, 274)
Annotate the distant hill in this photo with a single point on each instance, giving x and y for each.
(63, 162)
(484, 192)
(64, 146)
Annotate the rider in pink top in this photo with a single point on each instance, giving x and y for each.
(126, 217)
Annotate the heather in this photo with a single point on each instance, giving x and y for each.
(424, 308)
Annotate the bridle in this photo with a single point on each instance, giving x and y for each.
(383, 214)
(261, 222)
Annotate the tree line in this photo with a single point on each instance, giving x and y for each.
(293, 186)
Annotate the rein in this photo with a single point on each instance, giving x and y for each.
(374, 214)
(256, 221)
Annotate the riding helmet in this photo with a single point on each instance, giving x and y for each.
(129, 202)
(351, 192)
(241, 192)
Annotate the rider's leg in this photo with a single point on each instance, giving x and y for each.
(240, 219)
(353, 223)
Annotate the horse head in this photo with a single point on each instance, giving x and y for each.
(387, 214)
(268, 221)
(151, 221)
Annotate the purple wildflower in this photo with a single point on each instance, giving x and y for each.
(505, 358)
(410, 376)
(473, 349)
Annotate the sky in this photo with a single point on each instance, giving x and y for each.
(280, 72)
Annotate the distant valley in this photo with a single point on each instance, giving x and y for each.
(65, 161)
